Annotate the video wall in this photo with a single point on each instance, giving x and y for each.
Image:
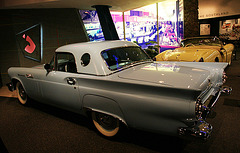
(161, 22)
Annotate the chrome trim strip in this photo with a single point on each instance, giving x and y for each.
(219, 93)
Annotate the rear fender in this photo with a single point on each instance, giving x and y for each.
(103, 105)
(12, 85)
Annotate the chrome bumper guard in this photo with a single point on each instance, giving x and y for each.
(226, 90)
(201, 130)
(210, 103)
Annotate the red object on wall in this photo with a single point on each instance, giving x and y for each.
(31, 47)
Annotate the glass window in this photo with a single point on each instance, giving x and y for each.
(161, 23)
(85, 59)
(66, 62)
(120, 57)
(170, 23)
(52, 64)
(141, 25)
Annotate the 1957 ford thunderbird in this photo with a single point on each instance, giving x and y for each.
(115, 82)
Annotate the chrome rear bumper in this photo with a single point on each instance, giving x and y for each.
(202, 130)
(210, 103)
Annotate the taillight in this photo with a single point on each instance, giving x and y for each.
(224, 77)
(198, 108)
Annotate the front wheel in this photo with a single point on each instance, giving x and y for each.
(21, 94)
(105, 124)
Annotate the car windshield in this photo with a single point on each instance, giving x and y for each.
(119, 57)
(201, 41)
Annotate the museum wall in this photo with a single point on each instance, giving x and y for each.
(220, 18)
(215, 23)
(48, 29)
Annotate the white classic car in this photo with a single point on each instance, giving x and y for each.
(115, 82)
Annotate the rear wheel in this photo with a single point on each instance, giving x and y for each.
(105, 124)
(21, 94)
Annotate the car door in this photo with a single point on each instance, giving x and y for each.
(59, 86)
(29, 77)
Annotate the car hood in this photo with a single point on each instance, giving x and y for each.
(168, 74)
(183, 53)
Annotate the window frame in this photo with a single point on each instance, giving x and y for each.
(56, 64)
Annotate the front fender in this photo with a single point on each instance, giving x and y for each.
(229, 47)
(161, 56)
(103, 105)
(209, 56)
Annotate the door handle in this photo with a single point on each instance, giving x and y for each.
(29, 75)
(71, 81)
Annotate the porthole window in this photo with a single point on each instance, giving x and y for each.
(85, 59)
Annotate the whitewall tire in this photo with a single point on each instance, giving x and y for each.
(105, 124)
(21, 94)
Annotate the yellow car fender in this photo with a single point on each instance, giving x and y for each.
(210, 56)
(161, 56)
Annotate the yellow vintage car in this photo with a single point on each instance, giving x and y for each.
(199, 49)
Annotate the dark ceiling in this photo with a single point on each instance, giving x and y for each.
(116, 5)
